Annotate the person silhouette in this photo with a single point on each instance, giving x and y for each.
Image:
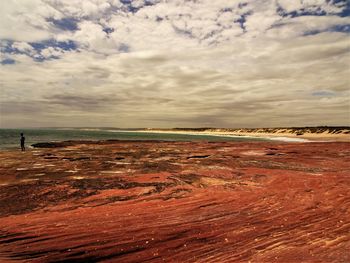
(22, 142)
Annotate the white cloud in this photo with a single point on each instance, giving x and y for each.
(25, 20)
(311, 6)
(52, 52)
(91, 36)
(24, 47)
(83, 9)
(290, 28)
(175, 63)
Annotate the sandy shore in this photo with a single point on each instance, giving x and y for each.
(126, 201)
(306, 136)
(279, 136)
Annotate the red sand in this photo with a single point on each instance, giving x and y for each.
(176, 202)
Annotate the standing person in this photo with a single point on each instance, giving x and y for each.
(22, 142)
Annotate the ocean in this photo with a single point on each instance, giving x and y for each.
(10, 138)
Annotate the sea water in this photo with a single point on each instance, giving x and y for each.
(10, 138)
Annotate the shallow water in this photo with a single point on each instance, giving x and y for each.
(9, 138)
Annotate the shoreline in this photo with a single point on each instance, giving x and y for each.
(287, 137)
(279, 137)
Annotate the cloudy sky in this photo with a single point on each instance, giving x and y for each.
(174, 63)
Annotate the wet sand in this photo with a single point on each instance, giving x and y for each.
(125, 201)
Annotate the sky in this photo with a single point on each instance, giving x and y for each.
(174, 63)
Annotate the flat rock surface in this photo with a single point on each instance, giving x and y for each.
(128, 201)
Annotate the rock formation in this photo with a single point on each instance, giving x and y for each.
(124, 201)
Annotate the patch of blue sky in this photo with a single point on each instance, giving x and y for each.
(108, 30)
(7, 61)
(66, 24)
(133, 9)
(302, 12)
(146, 2)
(64, 45)
(7, 48)
(316, 10)
(346, 7)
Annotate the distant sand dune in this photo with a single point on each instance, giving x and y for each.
(308, 133)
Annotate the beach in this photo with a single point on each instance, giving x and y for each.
(299, 134)
(184, 201)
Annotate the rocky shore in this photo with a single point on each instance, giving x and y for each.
(151, 201)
